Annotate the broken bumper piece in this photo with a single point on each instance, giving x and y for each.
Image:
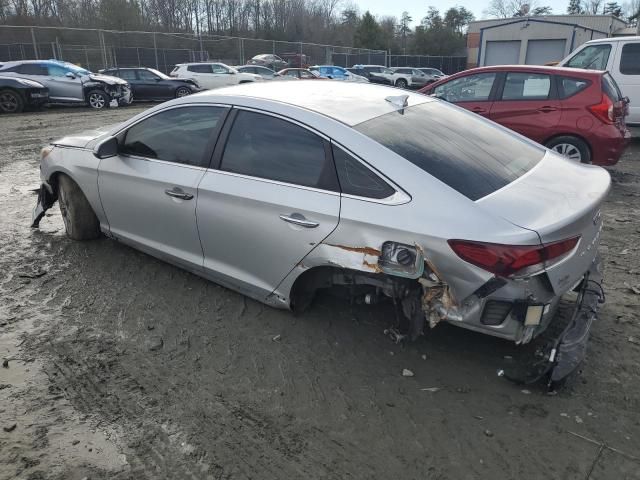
(561, 348)
(46, 198)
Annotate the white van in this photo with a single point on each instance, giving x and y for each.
(620, 56)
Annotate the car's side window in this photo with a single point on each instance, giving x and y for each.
(219, 69)
(570, 86)
(199, 68)
(593, 57)
(526, 86)
(57, 70)
(356, 179)
(33, 69)
(127, 74)
(272, 148)
(178, 135)
(304, 74)
(630, 59)
(471, 88)
(144, 75)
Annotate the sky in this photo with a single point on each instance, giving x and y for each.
(418, 8)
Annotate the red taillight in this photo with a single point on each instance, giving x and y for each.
(506, 260)
(603, 110)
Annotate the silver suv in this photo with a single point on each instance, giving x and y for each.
(68, 83)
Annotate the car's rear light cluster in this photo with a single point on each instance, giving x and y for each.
(604, 111)
(507, 260)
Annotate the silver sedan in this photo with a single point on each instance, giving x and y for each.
(277, 190)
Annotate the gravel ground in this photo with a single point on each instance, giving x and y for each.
(120, 366)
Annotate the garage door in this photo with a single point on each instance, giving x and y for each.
(540, 52)
(502, 53)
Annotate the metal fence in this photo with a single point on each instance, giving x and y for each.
(448, 65)
(95, 49)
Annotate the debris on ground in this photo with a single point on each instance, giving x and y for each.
(5, 363)
(276, 338)
(407, 373)
(488, 433)
(431, 389)
(10, 428)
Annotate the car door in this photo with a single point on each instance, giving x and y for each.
(64, 84)
(473, 92)
(148, 191)
(34, 71)
(129, 74)
(272, 196)
(223, 75)
(528, 104)
(202, 74)
(626, 72)
(154, 85)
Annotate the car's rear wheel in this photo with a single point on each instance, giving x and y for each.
(401, 83)
(97, 99)
(571, 147)
(80, 221)
(182, 92)
(10, 102)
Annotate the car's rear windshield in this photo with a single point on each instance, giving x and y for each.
(468, 153)
(611, 88)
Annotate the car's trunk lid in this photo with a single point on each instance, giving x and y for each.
(558, 199)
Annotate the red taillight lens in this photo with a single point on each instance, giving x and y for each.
(603, 110)
(506, 260)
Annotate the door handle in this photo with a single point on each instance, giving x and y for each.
(178, 193)
(298, 219)
(478, 110)
(547, 109)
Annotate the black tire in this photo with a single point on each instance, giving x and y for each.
(573, 147)
(11, 101)
(80, 221)
(182, 92)
(97, 99)
(401, 83)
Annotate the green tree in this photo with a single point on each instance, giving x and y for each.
(546, 10)
(613, 8)
(404, 29)
(457, 18)
(368, 34)
(575, 7)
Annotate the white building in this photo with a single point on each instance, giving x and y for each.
(535, 40)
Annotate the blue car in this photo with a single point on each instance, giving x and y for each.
(337, 73)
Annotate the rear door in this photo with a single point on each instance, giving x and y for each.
(153, 85)
(148, 191)
(626, 71)
(202, 74)
(528, 104)
(270, 198)
(474, 92)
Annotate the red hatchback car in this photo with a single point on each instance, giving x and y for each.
(578, 113)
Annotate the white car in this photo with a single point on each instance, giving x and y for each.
(619, 56)
(210, 75)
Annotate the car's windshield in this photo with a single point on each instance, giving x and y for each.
(159, 73)
(593, 57)
(76, 69)
(469, 154)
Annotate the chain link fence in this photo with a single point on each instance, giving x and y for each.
(97, 49)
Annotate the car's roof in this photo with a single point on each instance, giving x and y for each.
(327, 98)
(533, 68)
(614, 39)
(198, 63)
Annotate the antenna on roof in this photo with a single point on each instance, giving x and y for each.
(399, 101)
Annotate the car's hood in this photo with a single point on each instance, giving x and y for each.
(84, 139)
(250, 76)
(108, 79)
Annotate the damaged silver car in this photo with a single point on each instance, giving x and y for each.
(278, 190)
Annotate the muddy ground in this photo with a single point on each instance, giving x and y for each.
(121, 366)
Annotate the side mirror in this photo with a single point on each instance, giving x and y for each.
(70, 75)
(107, 148)
(158, 79)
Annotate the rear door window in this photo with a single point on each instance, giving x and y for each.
(568, 87)
(593, 57)
(610, 87)
(178, 135)
(199, 68)
(630, 59)
(272, 148)
(471, 88)
(33, 69)
(357, 179)
(128, 75)
(526, 86)
(467, 153)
